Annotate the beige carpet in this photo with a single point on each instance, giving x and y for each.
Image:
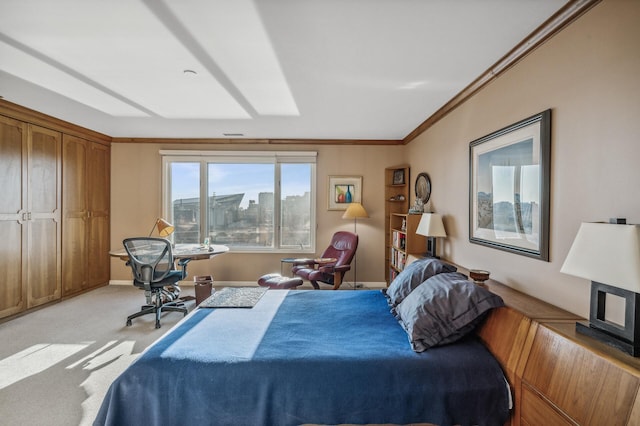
(57, 363)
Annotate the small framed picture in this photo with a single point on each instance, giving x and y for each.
(344, 190)
(398, 177)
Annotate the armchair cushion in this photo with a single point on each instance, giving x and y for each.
(277, 281)
(318, 275)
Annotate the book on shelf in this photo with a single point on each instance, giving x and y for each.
(398, 258)
(399, 239)
(401, 260)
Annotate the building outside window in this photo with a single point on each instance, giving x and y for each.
(249, 201)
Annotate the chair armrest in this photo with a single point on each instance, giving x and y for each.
(332, 269)
(301, 262)
(183, 265)
(341, 268)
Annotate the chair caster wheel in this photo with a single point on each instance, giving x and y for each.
(158, 325)
(128, 323)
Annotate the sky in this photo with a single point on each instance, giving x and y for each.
(250, 179)
(497, 168)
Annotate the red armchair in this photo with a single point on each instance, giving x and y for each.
(342, 248)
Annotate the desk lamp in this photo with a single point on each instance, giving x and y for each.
(431, 226)
(355, 211)
(609, 255)
(164, 228)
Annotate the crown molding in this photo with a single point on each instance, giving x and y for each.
(561, 19)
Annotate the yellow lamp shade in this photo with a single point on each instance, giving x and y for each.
(355, 210)
(164, 228)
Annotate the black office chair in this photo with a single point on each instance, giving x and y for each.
(152, 263)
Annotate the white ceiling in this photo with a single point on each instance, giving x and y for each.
(279, 69)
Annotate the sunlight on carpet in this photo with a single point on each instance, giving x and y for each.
(65, 356)
(104, 367)
(34, 360)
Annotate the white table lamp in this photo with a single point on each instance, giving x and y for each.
(609, 256)
(431, 226)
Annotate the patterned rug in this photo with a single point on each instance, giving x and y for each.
(234, 297)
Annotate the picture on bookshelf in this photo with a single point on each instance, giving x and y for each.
(398, 177)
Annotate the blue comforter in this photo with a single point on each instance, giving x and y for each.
(323, 357)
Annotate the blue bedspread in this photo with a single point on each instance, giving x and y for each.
(323, 357)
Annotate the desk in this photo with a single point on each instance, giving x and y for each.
(183, 251)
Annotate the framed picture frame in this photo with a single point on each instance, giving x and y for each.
(509, 187)
(398, 177)
(344, 190)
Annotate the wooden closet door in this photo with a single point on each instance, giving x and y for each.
(75, 213)
(99, 241)
(13, 216)
(44, 184)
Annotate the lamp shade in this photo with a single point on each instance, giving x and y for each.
(164, 227)
(431, 225)
(355, 211)
(606, 253)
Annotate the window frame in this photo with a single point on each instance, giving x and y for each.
(264, 157)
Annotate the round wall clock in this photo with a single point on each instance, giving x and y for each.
(423, 187)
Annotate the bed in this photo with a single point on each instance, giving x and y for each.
(307, 357)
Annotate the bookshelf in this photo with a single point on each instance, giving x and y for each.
(404, 241)
(396, 200)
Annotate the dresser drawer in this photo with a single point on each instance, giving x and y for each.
(587, 387)
(536, 411)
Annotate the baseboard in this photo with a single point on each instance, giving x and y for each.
(187, 283)
(120, 282)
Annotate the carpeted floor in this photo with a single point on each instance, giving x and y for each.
(57, 363)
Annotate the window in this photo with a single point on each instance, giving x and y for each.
(232, 198)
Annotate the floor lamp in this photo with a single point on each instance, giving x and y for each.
(355, 211)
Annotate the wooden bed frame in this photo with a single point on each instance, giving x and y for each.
(558, 377)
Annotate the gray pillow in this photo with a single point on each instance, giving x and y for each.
(414, 275)
(443, 309)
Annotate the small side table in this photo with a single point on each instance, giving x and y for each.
(284, 260)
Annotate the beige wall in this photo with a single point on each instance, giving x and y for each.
(589, 75)
(136, 202)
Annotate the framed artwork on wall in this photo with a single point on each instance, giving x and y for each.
(344, 190)
(509, 185)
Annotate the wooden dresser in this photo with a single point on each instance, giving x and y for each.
(559, 377)
(54, 218)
